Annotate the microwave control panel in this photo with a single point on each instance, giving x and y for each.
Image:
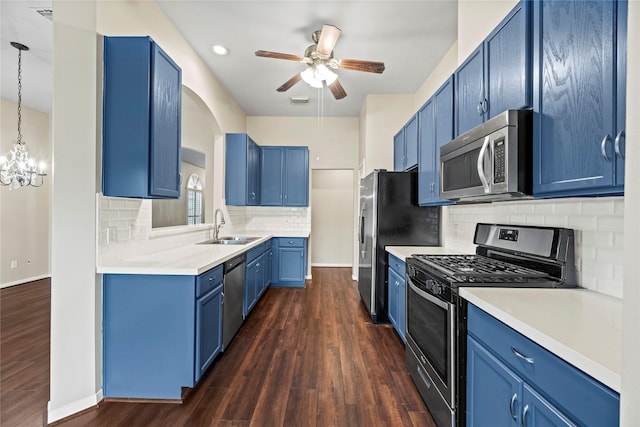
(499, 155)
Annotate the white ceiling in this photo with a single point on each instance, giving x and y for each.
(410, 37)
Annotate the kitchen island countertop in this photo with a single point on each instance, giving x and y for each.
(580, 326)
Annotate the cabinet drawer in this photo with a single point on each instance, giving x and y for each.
(208, 280)
(291, 242)
(578, 395)
(254, 253)
(397, 265)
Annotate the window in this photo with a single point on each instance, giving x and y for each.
(194, 200)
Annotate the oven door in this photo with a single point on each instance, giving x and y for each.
(431, 329)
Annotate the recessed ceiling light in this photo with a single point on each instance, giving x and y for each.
(220, 50)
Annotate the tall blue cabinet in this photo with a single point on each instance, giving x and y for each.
(142, 95)
(497, 75)
(242, 171)
(579, 92)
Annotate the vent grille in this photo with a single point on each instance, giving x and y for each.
(299, 100)
(47, 13)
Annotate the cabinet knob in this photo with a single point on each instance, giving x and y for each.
(210, 279)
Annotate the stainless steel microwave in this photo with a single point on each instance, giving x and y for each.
(490, 162)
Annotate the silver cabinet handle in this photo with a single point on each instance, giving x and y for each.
(522, 356)
(524, 415)
(603, 147)
(479, 108)
(485, 105)
(480, 165)
(616, 144)
(511, 406)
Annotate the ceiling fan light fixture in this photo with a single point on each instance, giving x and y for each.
(314, 76)
(309, 76)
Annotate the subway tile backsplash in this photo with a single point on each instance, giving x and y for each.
(598, 225)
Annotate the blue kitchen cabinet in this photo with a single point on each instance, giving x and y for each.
(142, 106)
(579, 94)
(242, 170)
(497, 75)
(268, 262)
(397, 295)
(289, 261)
(512, 380)
(435, 122)
(160, 333)
(284, 178)
(254, 282)
(405, 146)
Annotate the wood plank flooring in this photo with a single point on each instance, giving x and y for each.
(304, 357)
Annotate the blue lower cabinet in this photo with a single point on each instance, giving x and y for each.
(512, 381)
(258, 275)
(289, 264)
(159, 334)
(397, 299)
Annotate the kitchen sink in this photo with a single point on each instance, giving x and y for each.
(230, 240)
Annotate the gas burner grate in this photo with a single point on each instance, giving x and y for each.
(479, 269)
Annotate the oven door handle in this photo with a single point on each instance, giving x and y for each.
(443, 305)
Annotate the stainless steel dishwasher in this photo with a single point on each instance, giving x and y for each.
(234, 283)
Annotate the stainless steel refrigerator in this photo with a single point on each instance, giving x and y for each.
(389, 216)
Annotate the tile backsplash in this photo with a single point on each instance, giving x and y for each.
(598, 225)
(270, 218)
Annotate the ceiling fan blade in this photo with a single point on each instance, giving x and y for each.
(358, 65)
(287, 85)
(337, 90)
(328, 39)
(278, 55)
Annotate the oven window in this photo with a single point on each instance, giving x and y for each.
(461, 171)
(427, 325)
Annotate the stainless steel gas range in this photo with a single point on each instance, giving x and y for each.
(506, 256)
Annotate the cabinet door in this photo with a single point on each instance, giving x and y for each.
(291, 264)
(411, 143)
(268, 263)
(296, 176)
(398, 151)
(208, 330)
(402, 310)
(271, 174)
(574, 45)
(443, 120)
(251, 285)
(538, 412)
(469, 104)
(427, 155)
(621, 90)
(166, 110)
(392, 305)
(253, 174)
(508, 64)
(494, 392)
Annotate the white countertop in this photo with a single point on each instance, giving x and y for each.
(404, 252)
(189, 260)
(580, 326)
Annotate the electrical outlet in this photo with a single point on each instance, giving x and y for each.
(14, 263)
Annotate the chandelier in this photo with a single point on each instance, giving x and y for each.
(20, 170)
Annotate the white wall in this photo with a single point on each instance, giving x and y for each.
(630, 410)
(440, 74)
(76, 363)
(24, 212)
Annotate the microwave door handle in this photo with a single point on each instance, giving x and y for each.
(480, 165)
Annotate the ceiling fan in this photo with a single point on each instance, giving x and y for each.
(319, 59)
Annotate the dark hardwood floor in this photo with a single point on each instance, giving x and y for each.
(304, 357)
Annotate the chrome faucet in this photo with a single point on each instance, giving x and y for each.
(216, 226)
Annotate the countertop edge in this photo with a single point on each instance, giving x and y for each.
(601, 373)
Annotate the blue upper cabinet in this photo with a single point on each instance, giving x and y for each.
(405, 146)
(497, 75)
(435, 123)
(398, 151)
(579, 86)
(271, 172)
(284, 177)
(242, 171)
(142, 93)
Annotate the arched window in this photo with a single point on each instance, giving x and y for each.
(194, 200)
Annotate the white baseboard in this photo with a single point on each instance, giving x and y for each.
(73, 407)
(354, 277)
(322, 264)
(23, 281)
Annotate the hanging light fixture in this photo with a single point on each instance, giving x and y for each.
(20, 170)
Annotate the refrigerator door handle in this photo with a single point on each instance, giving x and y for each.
(361, 232)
